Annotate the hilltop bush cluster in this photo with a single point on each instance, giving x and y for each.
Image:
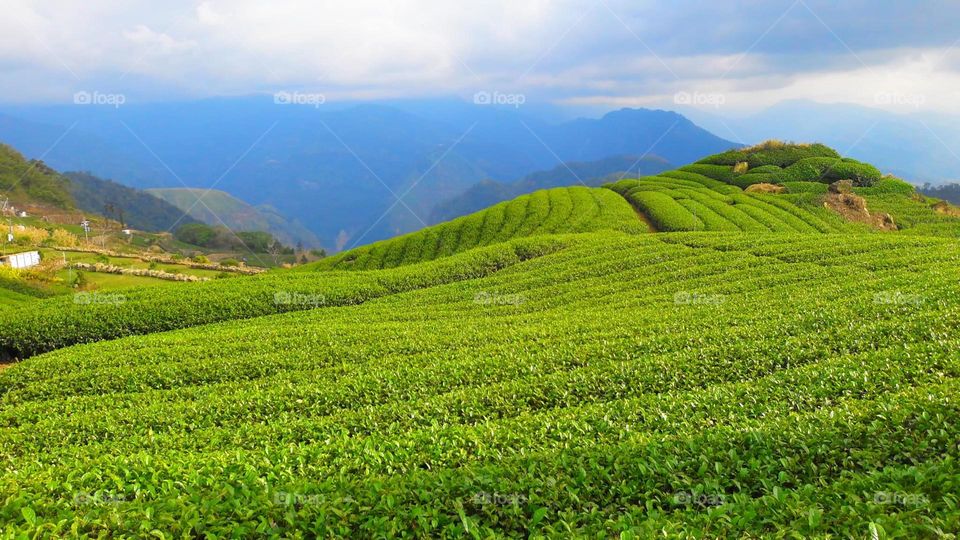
(771, 153)
(829, 170)
(210, 237)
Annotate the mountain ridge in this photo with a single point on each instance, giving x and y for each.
(334, 169)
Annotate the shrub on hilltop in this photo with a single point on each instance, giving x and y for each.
(771, 153)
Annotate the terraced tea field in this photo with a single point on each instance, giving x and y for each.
(553, 211)
(779, 373)
(614, 384)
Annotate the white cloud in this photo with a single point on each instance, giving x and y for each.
(573, 51)
(157, 42)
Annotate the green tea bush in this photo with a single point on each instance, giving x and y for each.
(889, 185)
(780, 155)
(61, 322)
(719, 385)
(721, 173)
(665, 213)
(559, 210)
(829, 170)
(806, 187)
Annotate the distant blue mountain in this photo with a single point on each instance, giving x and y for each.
(338, 169)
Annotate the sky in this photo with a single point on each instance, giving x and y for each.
(903, 56)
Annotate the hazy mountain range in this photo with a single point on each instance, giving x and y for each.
(338, 171)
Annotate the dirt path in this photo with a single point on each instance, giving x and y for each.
(643, 217)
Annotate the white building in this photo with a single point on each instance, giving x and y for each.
(21, 260)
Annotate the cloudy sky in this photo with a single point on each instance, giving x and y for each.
(741, 55)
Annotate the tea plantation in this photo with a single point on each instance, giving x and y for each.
(550, 367)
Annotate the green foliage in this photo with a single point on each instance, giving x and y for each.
(771, 153)
(746, 180)
(558, 210)
(31, 180)
(209, 237)
(829, 170)
(11, 283)
(198, 234)
(690, 385)
(806, 187)
(673, 205)
(61, 322)
(665, 213)
(258, 241)
(756, 380)
(767, 169)
(889, 185)
(721, 173)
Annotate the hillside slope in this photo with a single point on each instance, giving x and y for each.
(553, 211)
(141, 210)
(25, 181)
(626, 384)
(716, 193)
(235, 214)
(592, 173)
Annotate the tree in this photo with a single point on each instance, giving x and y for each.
(197, 234)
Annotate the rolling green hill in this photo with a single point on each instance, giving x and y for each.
(549, 367)
(558, 210)
(591, 173)
(710, 195)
